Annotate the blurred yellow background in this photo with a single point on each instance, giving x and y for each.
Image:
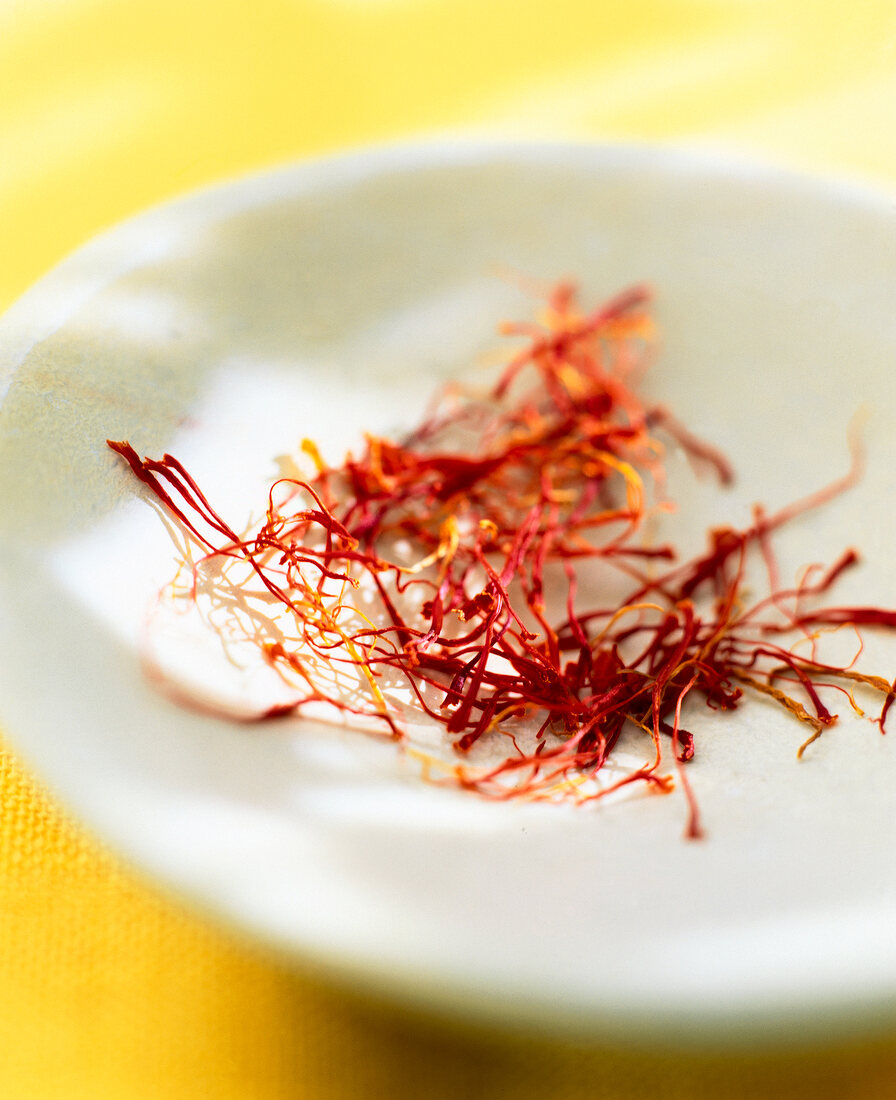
(108, 989)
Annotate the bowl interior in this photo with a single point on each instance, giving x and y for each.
(329, 298)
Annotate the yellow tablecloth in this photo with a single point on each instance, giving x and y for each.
(108, 988)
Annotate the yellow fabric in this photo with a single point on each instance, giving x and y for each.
(107, 987)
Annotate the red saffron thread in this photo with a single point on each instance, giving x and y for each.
(427, 565)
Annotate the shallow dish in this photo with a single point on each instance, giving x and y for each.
(327, 298)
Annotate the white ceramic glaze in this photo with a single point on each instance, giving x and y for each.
(329, 297)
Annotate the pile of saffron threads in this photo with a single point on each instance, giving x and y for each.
(427, 562)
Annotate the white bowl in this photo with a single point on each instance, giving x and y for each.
(329, 297)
